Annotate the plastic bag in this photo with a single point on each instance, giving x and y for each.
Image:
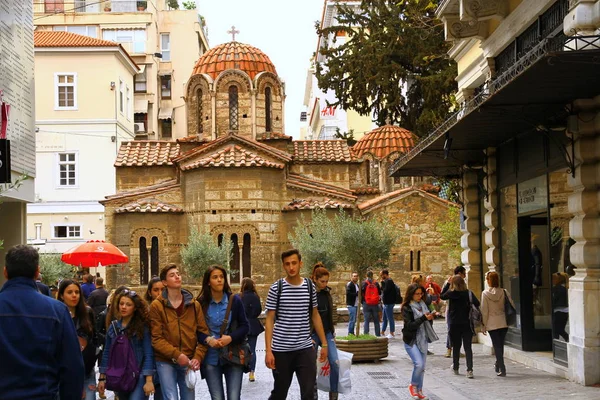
(323, 372)
(191, 377)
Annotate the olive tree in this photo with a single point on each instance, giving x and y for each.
(202, 251)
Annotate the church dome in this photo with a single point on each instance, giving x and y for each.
(383, 141)
(234, 55)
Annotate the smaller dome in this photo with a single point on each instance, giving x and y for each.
(383, 141)
(233, 55)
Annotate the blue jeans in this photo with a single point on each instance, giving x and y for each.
(137, 393)
(371, 312)
(388, 315)
(351, 319)
(252, 342)
(214, 379)
(332, 357)
(89, 383)
(418, 360)
(172, 376)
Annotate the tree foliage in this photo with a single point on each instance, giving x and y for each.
(316, 240)
(387, 44)
(449, 228)
(173, 4)
(189, 5)
(202, 251)
(53, 269)
(347, 136)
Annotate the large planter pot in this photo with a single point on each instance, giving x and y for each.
(365, 350)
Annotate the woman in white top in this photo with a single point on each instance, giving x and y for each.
(493, 317)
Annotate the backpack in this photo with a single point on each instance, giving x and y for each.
(371, 294)
(398, 295)
(474, 313)
(123, 371)
(310, 296)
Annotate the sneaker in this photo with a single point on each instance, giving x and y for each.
(383, 333)
(413, 392)
(470, 374)
(251, 378)
(429, 353)
(422, 396)
(448, 353)
(389, 336)
(455, 370)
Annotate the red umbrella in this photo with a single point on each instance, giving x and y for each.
(93, 253)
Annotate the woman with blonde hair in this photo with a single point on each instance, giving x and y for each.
(461, 331)
(494, 318)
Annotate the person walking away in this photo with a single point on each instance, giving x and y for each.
(414, 313)
(560, 304)
(253, 309)
(493, 317)
(459, 270)
(97, 299)
(352, 301)
(69, 292)
(214, 299)
(371, 292)
(42, 288)
(88, 285)
(291, 306)
(134, 323)
(32, 368)
(320, 277)
(175, 319)
(460, 325)
(388, 297)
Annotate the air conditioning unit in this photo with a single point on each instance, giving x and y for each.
(138, 127)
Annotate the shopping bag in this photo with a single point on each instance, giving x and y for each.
(191, 378)
(324, 372)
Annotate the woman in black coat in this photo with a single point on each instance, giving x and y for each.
(459, 321)
(252, 307)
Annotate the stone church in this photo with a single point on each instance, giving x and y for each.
(239, 176)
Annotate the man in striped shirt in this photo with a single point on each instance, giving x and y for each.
(291, 306)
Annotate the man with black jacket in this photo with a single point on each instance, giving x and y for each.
(352, 301)
(388, 297)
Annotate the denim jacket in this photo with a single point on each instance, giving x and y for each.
(141, 348)
(39, 349)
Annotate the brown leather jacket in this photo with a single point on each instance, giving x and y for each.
(173, 335)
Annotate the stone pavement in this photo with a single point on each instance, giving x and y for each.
(389, 378)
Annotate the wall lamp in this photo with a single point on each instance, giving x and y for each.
(112, 86)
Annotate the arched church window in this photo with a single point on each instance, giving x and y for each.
(143, 261)
(246, 256)
(233, 108)
(368, 168)
(234, 264)
(154, 254)
(268, 109)
(199, 110)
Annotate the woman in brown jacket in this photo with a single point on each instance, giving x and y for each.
(494, 319)
(175, 317)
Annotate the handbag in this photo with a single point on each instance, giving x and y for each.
(474, 313)
(238, 353)
(509, 311)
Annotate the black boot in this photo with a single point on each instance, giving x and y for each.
(496, 367)
(502, 371)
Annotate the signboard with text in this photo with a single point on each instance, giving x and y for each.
(532, 195)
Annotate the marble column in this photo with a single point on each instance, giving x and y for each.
(583, 18)
(471, 240)
(492, 241)
(584, 227)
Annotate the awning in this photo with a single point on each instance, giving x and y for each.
(124, 26)
(140, 106)
(165, 72)
(165, 113)
(532, 93)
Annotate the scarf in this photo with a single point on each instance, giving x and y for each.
(419, 309)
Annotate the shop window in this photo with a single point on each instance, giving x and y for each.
(233, 108)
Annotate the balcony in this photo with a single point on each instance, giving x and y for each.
(88, 6)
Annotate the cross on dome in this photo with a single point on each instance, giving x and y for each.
(233, 32)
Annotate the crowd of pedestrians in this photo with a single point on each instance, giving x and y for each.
(153, 343)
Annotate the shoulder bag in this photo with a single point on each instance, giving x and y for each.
(238, 353)
(474, 313)
(509, 311)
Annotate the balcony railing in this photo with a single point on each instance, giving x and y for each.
(556, 44)
(88, 6)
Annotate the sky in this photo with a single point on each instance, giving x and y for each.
(282, 29)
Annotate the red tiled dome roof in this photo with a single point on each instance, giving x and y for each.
(384, 140)
(233, 55)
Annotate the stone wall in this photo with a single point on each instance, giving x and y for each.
(241, 81)
(332, 174)
(129, 178)
(199, 124)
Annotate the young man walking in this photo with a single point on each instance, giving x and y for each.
(352, 301)
(97, 299)
(175, 319)
(371, 295)
(291, 306)
(39, 349)
(388, 297)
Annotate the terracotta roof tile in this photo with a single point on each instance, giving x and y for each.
(148, 206)
(383, 141)
(192, 139)
(299, 182)
(233, 55)
(68, 39)
(366, 190)
(233, 156)
(322, 151)
(272, 136)
(146, 153)
(311, 204)
(373, 203)
(170, 185)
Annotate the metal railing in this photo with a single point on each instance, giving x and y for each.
(88, 6)
(557, 44)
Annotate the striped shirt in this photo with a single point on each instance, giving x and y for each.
(292, 326)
